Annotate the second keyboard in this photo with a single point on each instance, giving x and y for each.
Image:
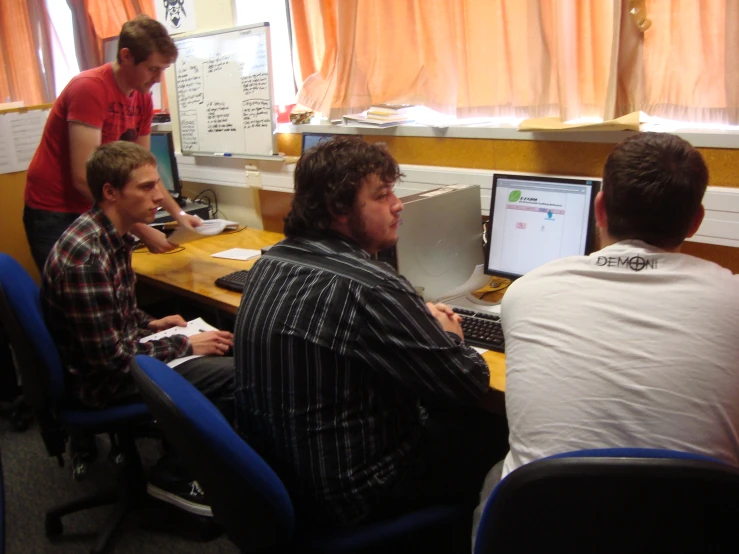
(482, 329)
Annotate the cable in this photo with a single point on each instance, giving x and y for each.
(200, 197)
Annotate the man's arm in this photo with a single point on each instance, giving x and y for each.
(404, 339)
(109, 339)
(155, 240)
(83, 140)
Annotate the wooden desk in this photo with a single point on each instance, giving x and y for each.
(192, 271)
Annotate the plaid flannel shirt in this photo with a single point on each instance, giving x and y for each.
(89, 301)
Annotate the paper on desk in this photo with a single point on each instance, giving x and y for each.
(208, 228)
(237, 254)
(628, 122)
(479, 350)
(193, 327)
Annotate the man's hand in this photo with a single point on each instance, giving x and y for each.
(211, 343)
(155, 241)
(445, 315)
(189, 220)
(167, 323)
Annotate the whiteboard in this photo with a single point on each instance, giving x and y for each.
(223, 81)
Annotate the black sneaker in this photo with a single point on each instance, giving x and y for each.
(186, 495)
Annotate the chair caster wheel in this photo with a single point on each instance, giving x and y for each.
(79, 469)
(53, 526)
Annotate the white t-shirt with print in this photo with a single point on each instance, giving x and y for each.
(628, 347)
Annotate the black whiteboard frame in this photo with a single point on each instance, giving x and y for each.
(273, 118)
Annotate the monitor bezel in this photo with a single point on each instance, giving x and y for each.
(590, 239)
(327, 136)
(172, 162)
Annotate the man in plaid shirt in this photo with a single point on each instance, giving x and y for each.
(89, 302)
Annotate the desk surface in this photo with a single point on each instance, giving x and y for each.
(192, 272)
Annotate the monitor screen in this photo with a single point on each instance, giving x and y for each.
(313, 139)
(162, 146)
(535, 219)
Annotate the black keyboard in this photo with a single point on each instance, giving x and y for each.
(233, 281)
(482, 329)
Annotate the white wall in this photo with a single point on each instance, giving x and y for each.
(235, 203)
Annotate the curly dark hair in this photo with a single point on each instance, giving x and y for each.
(143, 36)
(653, 186)
(328, 176)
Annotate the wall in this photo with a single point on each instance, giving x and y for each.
(556, 157)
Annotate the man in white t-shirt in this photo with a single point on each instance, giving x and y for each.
(637, 344)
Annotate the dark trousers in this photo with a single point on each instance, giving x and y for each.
(211, 375)
(43, 229)
(459, 448)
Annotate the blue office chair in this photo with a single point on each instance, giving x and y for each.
(42, 377)
(614, 500)
(247, 498)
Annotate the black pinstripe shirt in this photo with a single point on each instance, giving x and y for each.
(330, 372)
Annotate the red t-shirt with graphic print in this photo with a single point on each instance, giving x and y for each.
(93, 98)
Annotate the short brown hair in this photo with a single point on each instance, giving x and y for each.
(113, 163)
(143, 36)
(653, 186)
(328, 177)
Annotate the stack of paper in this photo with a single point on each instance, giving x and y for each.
(208, 228)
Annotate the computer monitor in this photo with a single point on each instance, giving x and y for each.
(535, 219)
(162, 146)
(310, 140)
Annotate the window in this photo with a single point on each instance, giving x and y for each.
(275, 12)
(64, 56)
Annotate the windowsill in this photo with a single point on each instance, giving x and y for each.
(710, 138)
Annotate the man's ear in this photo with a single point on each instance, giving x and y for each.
(110, 193)
(601, 219)
(696, 223)
(126, 56)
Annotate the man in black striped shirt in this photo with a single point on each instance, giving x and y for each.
(338, 359)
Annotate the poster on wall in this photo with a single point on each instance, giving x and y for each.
(178, 16)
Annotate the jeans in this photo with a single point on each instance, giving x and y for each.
(43, 229)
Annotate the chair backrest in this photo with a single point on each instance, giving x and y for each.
(2, 508)
(247, 498)
(614, 500)
(40, 366)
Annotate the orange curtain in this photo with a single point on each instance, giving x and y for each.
(95, 20)
(466, 58)
(26, 69)
(691, 61)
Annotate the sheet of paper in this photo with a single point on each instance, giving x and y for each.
(479, 350)
(628, 122)
(242, 254)
(26, 129)
(194, 327)
(8, 161)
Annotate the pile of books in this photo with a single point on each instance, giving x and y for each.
(382, 115)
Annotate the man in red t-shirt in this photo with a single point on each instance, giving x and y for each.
(100, 105)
